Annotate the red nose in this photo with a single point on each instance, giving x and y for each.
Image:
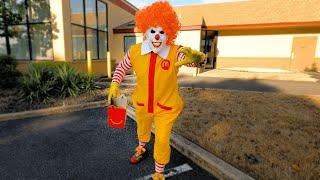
(157, 37)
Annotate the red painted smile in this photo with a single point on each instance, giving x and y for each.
(156, 44)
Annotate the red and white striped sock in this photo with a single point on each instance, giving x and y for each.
(142, 144)
(159, 167)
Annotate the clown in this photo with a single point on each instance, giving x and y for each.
(156, 62)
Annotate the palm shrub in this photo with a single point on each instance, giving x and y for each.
(313, 68)
(8, 72)
(67, 80)
(87, 83)
(47, 80)
(37, 84)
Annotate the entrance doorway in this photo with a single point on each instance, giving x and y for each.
(209, 47)
(304, 50)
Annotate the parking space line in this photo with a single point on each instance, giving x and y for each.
(171, 172)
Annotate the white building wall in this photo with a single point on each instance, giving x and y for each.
(266, 46)
(318, 48)
(189, 39)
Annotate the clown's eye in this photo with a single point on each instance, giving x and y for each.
(161, 32)
(153, 31)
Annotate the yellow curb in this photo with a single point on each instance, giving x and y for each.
(49, 111)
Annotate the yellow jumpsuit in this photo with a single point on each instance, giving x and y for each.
(156, 98)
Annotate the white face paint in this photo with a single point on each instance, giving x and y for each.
(156, 38)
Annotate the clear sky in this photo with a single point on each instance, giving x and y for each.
(141, 3)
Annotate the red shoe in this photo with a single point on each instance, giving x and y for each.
(139, 155)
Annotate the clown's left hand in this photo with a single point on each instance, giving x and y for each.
(191, 56)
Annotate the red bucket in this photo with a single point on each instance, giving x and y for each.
(116, 117)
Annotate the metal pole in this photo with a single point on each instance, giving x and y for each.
(89, 62)
(109, 64)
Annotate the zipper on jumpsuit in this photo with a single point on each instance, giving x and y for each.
(152, 68)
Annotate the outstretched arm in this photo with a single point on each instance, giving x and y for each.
(120, 72)
(189, 57)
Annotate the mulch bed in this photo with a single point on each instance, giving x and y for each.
(11, 102)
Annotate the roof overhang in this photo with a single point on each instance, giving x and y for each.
(264, 25)
(235, 26)
(125, 5)
(134, 30)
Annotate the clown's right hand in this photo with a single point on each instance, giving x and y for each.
(114, 91)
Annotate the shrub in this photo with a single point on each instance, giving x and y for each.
(8, 72)
(313, 68)
(87, 83)
(38, 83)
(67, 80)
(47, 80)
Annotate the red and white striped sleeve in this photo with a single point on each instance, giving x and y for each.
(122, 68)
(181, 56)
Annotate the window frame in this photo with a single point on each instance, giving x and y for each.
(124, 41)
(28, 24)
(96, 29)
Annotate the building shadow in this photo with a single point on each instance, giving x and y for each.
(229, 84)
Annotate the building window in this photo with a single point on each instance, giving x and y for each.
(31, 38)
(89, 29)
(128, 41)
(92, 43)
(19, 43)
(41, 41)
(3, 48)
(78, 43)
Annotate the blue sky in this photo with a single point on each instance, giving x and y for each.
(141, 3)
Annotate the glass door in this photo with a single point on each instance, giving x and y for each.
(209, 47)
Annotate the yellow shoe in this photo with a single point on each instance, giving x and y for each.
(158, 176)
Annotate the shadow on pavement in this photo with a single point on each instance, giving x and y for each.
(231, 84)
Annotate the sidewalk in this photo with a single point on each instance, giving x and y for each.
(256, 73)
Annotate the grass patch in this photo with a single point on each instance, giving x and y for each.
(267, 135)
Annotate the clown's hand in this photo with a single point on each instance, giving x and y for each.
(114, 91)
(191, 56)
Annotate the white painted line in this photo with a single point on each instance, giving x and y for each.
(171, 172)
(177, 170)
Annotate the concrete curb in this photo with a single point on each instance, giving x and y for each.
(201, 157)
(49, 111)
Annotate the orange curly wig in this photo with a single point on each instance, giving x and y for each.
(159, 14)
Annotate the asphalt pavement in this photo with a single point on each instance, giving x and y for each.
(79, 145)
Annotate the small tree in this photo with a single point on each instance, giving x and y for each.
(9, 14)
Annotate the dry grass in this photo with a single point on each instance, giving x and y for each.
(268, 135)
